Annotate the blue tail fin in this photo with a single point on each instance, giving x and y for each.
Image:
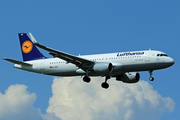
(29, 50)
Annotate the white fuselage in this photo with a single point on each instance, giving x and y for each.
(122, 62)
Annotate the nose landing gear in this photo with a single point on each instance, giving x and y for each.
(151, 78)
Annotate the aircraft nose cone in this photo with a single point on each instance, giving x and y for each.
(171, 61)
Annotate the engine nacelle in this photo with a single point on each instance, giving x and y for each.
(131, 77)
(103, 67)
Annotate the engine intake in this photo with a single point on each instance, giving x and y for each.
(131, 77)
(103, 67)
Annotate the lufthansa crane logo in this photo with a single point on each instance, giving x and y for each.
(27, 46)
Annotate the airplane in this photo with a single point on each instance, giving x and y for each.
(124, 66)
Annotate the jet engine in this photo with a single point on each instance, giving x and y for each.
(130, 77)
(103, 67)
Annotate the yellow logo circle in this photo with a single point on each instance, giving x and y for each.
(27, 46)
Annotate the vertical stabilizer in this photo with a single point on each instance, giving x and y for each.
(29, 50)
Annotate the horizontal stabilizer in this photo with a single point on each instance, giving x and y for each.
(17, 62)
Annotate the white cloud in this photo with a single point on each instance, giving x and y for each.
(75, 100)
(17, 104)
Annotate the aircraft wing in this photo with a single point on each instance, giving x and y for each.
(82, 63)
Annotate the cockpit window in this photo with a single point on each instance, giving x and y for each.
(161, 55)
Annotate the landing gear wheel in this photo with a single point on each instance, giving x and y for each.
(105, 85)
(151, 79)
(86, 79)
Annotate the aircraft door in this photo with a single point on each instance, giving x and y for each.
(42, 67)
(147, 57)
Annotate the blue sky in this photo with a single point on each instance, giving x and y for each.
(91, 27)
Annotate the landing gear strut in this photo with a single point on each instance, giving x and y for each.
(105, 84)
(151, 78)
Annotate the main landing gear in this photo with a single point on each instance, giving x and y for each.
(87, 78)
(105, 84)
(151, 78)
